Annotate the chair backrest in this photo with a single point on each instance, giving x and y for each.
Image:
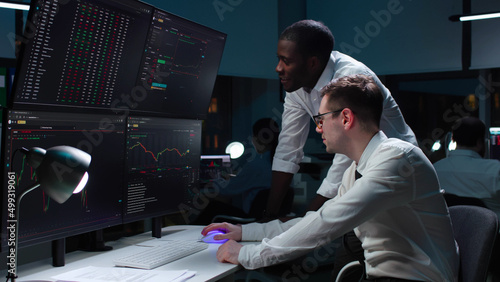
(475, 229)
(454, 200)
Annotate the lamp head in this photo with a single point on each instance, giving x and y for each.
(235, 149)
(61, 170)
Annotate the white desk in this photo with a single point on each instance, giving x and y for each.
(204, 263)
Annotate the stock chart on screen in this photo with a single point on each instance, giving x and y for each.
(163, 159)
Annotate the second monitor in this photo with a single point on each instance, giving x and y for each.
(163, 159)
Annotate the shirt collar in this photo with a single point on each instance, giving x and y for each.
(464, 153)
(376, 140)
(327, 74)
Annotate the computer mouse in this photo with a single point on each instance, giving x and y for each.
(209, 238)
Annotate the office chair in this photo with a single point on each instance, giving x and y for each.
(347, 271)
(475, 229)
(454, 200)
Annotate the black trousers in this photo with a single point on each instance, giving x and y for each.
(350, 251)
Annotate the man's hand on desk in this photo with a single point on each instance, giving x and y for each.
(229, 251)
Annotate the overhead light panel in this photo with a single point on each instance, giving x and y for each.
(474, 17)
(14, 5)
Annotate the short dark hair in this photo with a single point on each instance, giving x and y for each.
(359, 93)
(467, 131)
(313, 38)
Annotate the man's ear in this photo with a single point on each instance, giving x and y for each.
(313, 63)
(347, 118)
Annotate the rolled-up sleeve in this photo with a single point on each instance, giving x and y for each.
(330, 185)
(293, 136)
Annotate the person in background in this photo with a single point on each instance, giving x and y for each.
(464, 172)
(390, 195)
(245, 195)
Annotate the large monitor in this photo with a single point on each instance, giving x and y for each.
(116, 55)
(163, 159)
(98, 206)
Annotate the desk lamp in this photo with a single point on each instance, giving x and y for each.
(235, 149)
(61, 171)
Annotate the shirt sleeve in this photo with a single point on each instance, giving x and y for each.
(330, 185)
(379, 190)
(293, 136)
(259, 231)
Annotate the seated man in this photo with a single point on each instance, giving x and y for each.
(389, 195)
(464, 172)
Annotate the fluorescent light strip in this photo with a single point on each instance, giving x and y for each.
(479, 17)
(15, 6)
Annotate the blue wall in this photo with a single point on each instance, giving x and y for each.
(405, 36)
(485, 36)
(394, 36)
(7, 32)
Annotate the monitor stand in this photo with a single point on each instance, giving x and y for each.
(58, 252)
(156, 227)
(95, 242)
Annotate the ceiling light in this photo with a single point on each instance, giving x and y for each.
(474, 17)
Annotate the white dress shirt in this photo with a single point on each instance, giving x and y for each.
(300, 106)
(396, 210)
(464, 173)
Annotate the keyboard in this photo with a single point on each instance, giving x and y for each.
(159, 254)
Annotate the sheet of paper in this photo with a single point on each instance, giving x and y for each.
(120, 274)
(185, 276)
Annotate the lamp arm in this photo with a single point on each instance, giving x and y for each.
(12, 271)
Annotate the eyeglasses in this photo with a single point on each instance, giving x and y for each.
(319, 120)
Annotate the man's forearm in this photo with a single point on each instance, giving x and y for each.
(317, 202)
(279, 187)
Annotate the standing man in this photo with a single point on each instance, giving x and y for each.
(390, 195)
(306, 64)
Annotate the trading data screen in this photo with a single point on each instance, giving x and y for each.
(99, 205)
(179, 66)
(81, 53)
(163, 159)
(118, 55)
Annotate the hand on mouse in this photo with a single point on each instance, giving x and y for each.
(231, 231)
